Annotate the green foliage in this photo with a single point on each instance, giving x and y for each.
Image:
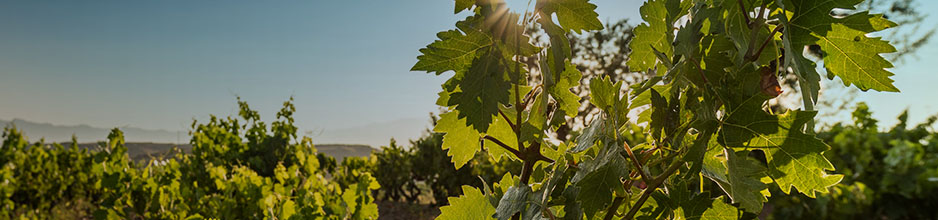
(567, 101)
(573, 15)
(237, 170)
(394, 170)
(714, 66)
(794, 158)
(462, 141)
(888, 174)
(41, 180)
(455, 50)
(471, 205)
(849, 53)
(402, 171)
(650, 36)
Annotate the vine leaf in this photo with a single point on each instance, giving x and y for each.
(644, 99)
(703, 207)
(598, 179)
(739, 176)
(650, 36)
(455, 49)
(745, 181)
(513, 201)
(560, 46)
(532, 129)
(461, 140)
(482, 89)
(502, 131)
(590, 135)
(740, 32)
(794, 158)
(463, 5)
(506, 28)
(573, 15)
(568, 101)
(849, 52)
(471, 205)
(604, 94)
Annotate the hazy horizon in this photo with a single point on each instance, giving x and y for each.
(375, 134)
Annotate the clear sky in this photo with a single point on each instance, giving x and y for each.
(159, 64)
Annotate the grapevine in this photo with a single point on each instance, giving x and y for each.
(711, 149)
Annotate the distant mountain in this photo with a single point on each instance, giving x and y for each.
(375, 134)
(88, 134)
(145, 143)
(140, 151)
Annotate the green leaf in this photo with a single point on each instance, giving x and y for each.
(650, 36)
(695, 154)
(598, 178)
(573, 15)
(739, 176)
(590, 135)
(794, 158)
(554, 185)
(702, 207)
(644, 99)
(288, 209)
(660, 110)
(471, 205)
(502, 131)
(461, 140)
(713, 61)
(454, 50)
(739, 31)
(513, 201)
(506, 28)
(559, 50)
(849, 53)
(604, 94)
(507, 181)
(567, 101)
(745, 186)
(482, 89)
(463, 5)
(571, 206)
(535, 120)
(855, 58)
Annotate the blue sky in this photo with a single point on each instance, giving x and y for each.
(159, 64)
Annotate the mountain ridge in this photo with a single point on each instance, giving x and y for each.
(373, 135)
(88, 134)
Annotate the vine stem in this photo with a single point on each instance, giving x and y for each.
(511, 124)
(611, 211)
(758, 53)
(519, 109)
(636, 162)
(762, 9)
(505, 146)
(651, 189)
(742, 10)
(518, 104)
(627, 184)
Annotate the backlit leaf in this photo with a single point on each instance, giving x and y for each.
(472, 205)
(461, 141)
